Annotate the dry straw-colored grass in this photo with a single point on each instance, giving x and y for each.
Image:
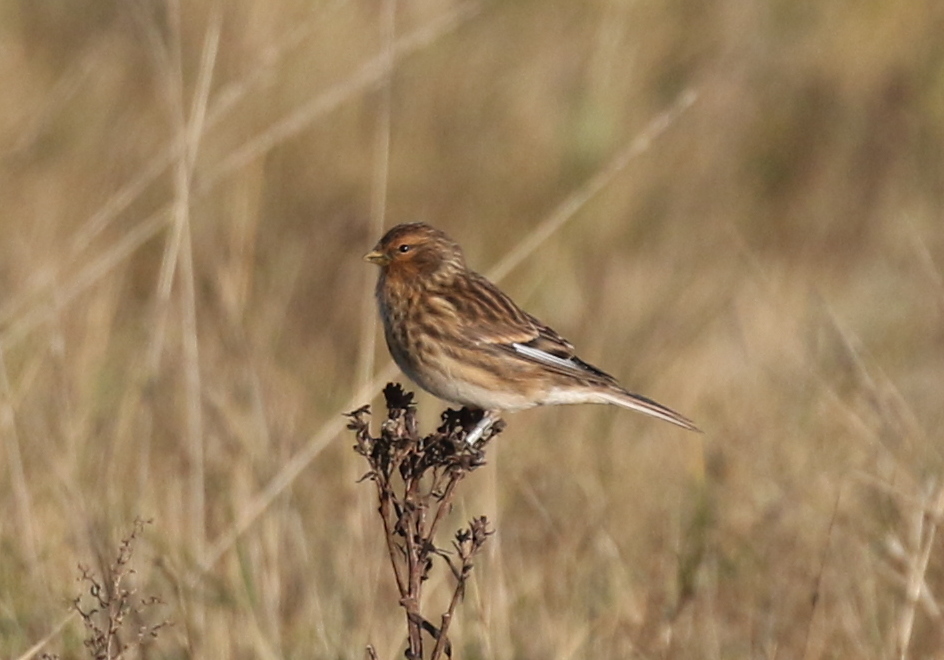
(187, 189)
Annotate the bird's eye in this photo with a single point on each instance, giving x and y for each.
(404, 248)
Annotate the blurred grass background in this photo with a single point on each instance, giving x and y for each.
(186, 193)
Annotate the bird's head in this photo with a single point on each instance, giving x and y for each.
(417, 250)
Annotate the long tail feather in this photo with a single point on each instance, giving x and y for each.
(649, 407)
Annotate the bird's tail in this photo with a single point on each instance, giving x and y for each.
(621, 397)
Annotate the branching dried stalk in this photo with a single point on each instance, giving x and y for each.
(416, 480)
(110, 602)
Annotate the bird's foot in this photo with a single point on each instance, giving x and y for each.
(489, 417)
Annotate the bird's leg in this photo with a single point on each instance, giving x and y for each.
(489, 417)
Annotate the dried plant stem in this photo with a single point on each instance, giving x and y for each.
(416, 480)
(918, 561)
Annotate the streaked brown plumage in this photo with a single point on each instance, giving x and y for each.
(460, 338)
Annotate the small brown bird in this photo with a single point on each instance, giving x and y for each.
(460, 338)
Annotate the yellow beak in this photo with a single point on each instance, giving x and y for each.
(377, 257)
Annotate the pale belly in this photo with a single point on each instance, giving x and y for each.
(474, 387)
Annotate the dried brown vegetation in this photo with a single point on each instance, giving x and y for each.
(119, 621)
(416, 479)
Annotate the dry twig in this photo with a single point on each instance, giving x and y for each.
(416, 480)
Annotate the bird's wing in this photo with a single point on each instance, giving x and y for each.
(553, 351)
(491, 320)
